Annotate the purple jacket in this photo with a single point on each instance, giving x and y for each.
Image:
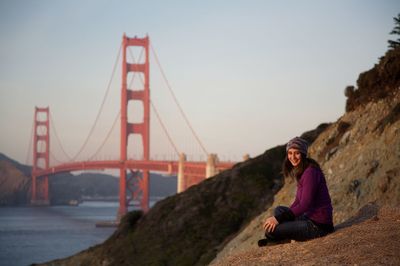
(312, 197)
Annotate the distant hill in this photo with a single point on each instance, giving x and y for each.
(162, 185)
(25, 169)
(15, 183)
(98, 185)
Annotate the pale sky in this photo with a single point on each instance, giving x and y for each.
(249, 75)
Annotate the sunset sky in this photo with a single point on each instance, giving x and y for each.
(249, 75)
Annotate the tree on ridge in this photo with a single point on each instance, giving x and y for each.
(396, 30)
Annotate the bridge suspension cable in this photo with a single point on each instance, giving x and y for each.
(54, 158)
(107, 136)
(53, 129)
(164, 128)
(177, 103)
(101, 106)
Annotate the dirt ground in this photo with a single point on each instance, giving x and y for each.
(372, 237)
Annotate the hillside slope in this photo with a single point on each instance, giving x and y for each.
(360, 156)
(372, 237)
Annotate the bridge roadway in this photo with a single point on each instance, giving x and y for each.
(194, 169)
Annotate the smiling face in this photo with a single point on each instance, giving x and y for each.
(294, 156)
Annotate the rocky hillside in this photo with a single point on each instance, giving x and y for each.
(360, 156)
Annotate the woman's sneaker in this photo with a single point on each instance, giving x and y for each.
(262, 242)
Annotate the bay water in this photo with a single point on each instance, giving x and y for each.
(39, 234)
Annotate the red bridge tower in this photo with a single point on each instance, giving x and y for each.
(41, 151)
(137, 185)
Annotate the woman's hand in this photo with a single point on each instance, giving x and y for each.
(270, 224)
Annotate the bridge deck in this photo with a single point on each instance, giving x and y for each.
(170, 167)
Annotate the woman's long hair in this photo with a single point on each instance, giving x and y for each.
(295, 172)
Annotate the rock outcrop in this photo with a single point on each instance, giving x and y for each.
(376, 83)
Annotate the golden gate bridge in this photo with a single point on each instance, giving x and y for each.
(134, 186)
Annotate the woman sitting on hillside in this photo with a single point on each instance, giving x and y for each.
(310, 215)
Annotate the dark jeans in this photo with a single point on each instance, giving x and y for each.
(300, 229)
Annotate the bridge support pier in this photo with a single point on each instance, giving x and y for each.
(211, 169)
(40, 191)
(144, 187)
(181, 173)
(122, 210)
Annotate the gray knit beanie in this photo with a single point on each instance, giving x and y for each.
(298, 143)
